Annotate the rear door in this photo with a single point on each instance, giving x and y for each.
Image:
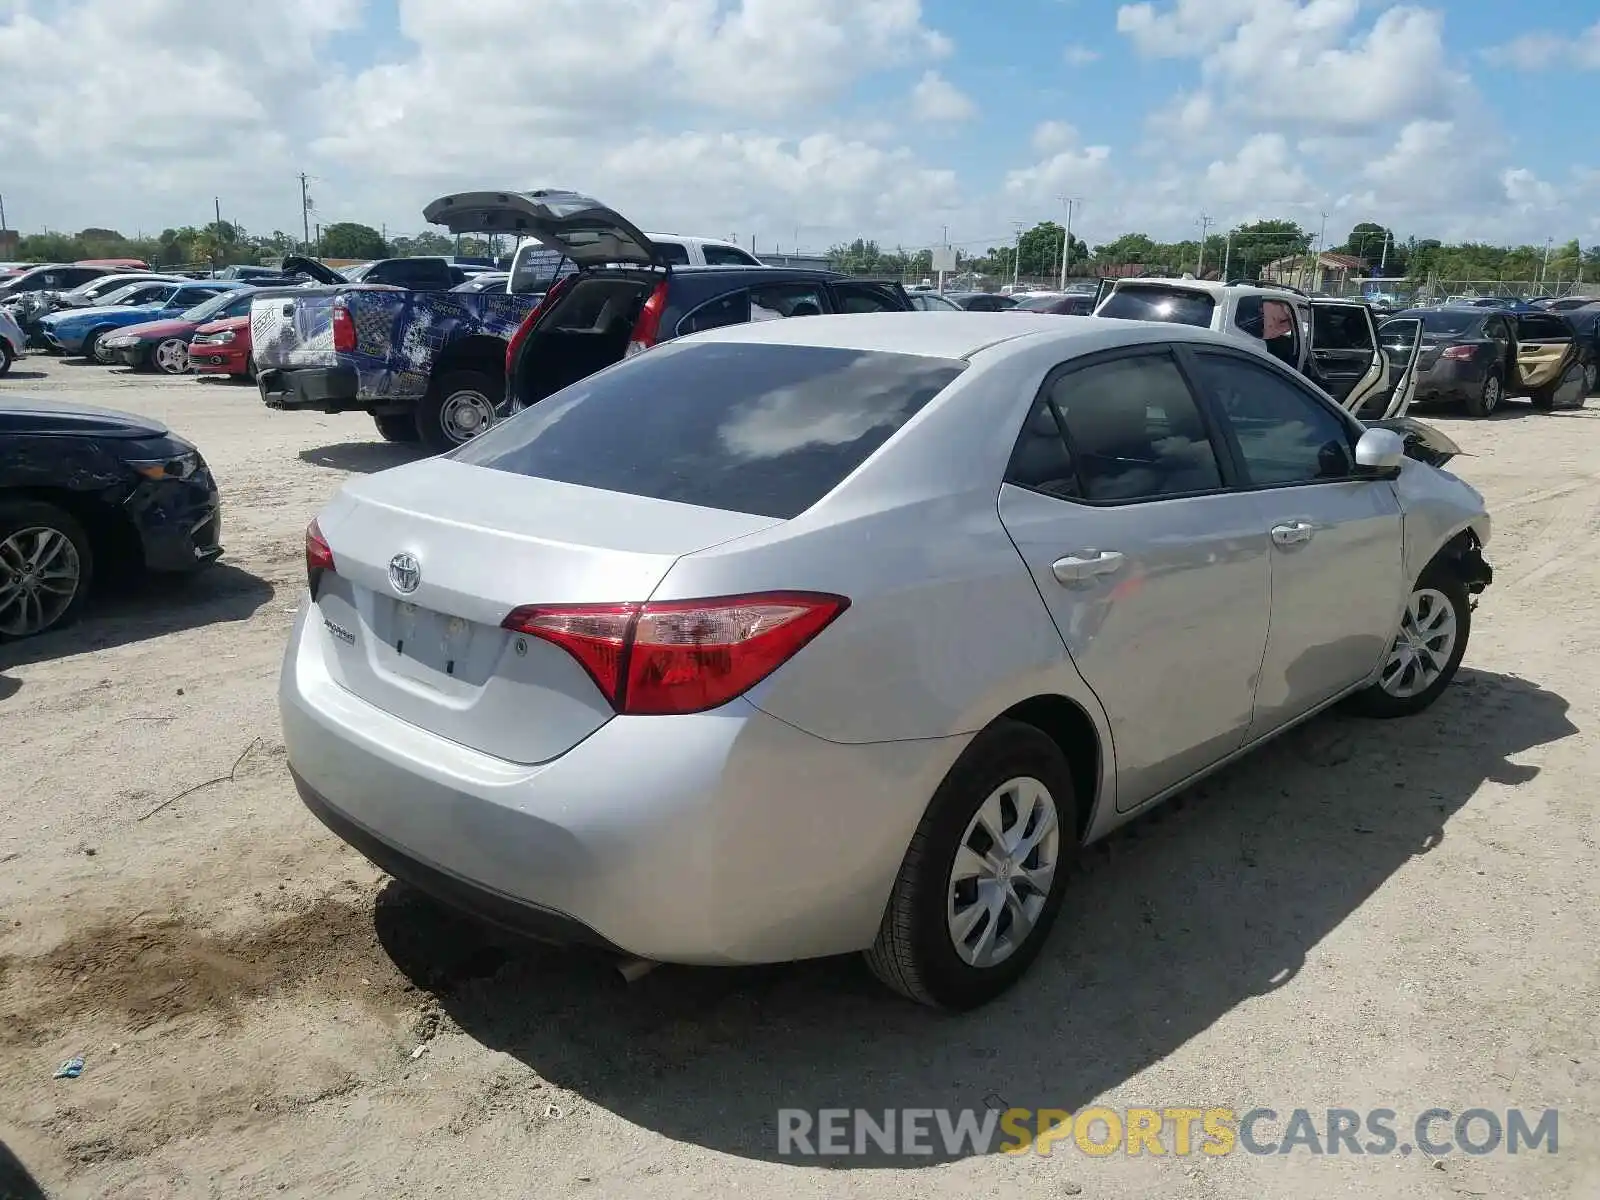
(1344, 346)
(1544, 345)
(766, 302)
(1155, 573)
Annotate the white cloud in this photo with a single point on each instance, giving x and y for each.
(1050, 137)
(936, 99)
(1077, 55)
(1541, 49)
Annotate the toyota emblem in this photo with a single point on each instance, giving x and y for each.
(405, 572)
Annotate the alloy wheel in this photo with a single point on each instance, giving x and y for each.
(39, 577)
(1004, 866)
(1491, 394)
(99, 351)
(172, 356)
(466, 414)
(1422, 650)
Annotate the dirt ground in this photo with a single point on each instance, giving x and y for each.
(1363, 915)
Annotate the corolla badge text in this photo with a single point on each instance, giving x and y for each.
(405, 573)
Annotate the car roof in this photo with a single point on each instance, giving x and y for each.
(1212, 288)
(957, 335)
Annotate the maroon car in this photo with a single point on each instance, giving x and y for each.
(164, 345)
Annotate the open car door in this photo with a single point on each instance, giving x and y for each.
(1400, 343)
(1344, 346)
(580, 228)
(1545, 344)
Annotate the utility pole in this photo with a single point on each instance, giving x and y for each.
(1545, 269)
(1383, 260)
(305, 212)
(941, 260)
(1016, 257)
(1200, 264)
(2, 212)
(1227, 256)
(1066, 242)
(1316, 263)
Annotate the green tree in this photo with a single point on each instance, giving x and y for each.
(426, 242)
(347, 239)
(1262, 242)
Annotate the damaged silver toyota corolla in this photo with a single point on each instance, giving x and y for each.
(847, 633)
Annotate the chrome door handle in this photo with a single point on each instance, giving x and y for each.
(1080, 568)
(1293, 533)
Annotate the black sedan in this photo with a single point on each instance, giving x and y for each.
(1066, 304)
(981, 301)
(1477, 355)
(88, 490)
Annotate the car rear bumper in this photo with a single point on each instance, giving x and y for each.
(1450, 379)
(719, 838)
(330, 389)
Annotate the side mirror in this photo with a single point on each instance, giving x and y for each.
(1380, 453)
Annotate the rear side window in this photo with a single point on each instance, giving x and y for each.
(674, 253)
(726, 256)
(1542, 329)
(1176, 306)
(760, 429)
(1339, 327)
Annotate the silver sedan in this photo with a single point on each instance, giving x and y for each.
(806, 637)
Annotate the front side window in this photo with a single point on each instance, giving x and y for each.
(865, 298)
(1339, 327)
(1285, 434)
(1127, 429)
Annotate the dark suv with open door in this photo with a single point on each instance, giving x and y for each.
(624, 296)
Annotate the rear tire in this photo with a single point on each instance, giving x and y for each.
(1488, 397)
(952, 881)
(6, 357)
(457, 408)
(396, 427)
(1421, 643)
(38, 594)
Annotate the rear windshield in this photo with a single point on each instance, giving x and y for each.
(1178, 306)
(1443, 322)
(750, 428)
(535, 267)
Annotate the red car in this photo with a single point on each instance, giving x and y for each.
(164, 344)
(222, 348)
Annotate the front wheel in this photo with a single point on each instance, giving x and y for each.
(94, 347)
(457, 408)
(1488, 397)
(6, 357)
(983, 878)
(171, 356)
(1427, 651)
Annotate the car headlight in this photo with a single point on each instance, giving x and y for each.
(119, 343)
(216, 339)
(179, 466)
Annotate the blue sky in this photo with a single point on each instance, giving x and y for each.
(814, 120)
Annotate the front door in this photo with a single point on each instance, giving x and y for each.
(1155, 574)
(1338, 573)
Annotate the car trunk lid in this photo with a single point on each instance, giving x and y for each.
(579, 227)
(482, 543)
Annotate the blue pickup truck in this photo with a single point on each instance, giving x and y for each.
(428, 365)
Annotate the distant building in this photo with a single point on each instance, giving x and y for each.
(1324, 273)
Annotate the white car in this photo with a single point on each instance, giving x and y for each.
(12, 341)
(1333, 342)
(534, 264)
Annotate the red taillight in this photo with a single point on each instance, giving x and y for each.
(647, 329)
(1458, 352)
(681, 656)
(344, 330)
(319, 556)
